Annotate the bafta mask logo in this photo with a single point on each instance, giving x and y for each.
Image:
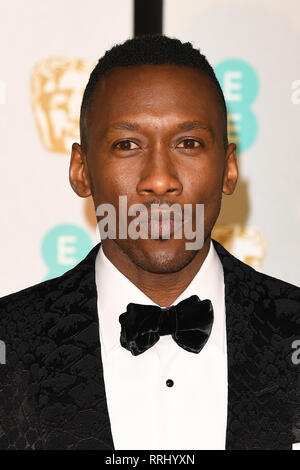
(245, 243)
(57, 86)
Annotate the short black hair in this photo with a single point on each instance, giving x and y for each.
(150, 49)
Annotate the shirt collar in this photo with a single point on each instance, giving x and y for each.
(115, 291)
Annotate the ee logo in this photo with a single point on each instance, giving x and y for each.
(240, 86)
(63, 247)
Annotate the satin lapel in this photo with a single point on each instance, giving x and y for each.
(257, 415)
(72, 386)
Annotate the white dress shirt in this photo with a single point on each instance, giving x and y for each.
(144, 412)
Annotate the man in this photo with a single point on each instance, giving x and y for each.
(146, 344)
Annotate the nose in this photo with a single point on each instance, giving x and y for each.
(159, 175)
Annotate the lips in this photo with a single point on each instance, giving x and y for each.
(159, 223)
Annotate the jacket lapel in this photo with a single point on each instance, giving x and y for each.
(71, 389)
(258, 412)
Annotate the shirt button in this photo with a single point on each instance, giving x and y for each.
(169, 383)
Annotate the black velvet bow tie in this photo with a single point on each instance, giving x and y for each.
(189, 322)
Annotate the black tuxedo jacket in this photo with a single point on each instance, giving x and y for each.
(52, 392)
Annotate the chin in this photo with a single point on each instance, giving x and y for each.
(158, 256)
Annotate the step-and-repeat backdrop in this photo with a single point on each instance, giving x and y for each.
(47, 52)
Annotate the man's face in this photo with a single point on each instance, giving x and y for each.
(159, 157)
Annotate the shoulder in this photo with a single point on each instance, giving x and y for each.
(249, 284)
(51, 294)
(242, 271)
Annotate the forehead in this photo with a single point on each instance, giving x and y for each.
(160, 90)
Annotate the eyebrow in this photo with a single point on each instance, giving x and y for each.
(185, 126)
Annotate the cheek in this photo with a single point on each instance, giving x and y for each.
(206, 185)
(110, 181)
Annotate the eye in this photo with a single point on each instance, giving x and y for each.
(125, 145)
(190, 144)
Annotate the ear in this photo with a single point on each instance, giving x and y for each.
(78, 172)
(231, 173)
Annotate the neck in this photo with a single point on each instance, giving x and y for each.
(171, 284)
